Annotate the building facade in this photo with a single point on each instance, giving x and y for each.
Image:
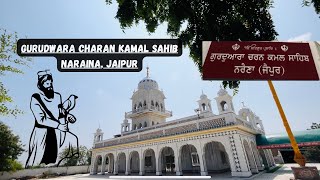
(200, 144)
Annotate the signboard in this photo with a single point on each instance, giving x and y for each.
(249, 60)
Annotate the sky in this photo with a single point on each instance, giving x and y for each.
(105, 97)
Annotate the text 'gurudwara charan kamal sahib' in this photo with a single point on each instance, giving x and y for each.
(92, 48)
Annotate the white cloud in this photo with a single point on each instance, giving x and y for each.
(302, 37)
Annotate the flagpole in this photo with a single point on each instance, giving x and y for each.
(298, 157)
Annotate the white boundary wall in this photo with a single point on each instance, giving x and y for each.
(52, 170)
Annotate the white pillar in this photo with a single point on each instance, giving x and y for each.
(103, 165)
(280, 157)
(110, 164)
(158, 162)
(203, 167)
(251, 158)
(267, 158)
(271, 158)
(177, 161)
(141, 158)
(264, 158)
(258, 159)
(239, 167)
(116, 161)
(127, 164)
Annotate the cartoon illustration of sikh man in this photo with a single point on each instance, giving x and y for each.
(51, 120)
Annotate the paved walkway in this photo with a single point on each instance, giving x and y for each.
(284, 173)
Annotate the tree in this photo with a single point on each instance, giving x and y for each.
(75, 160)
(10, 149)
(211, 20)
(312, 154)
(316, 4)
(10, 62)
(89, 154)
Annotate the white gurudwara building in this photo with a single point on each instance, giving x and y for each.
(201, 144)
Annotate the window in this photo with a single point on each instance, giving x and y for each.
(195, 159)
(147, 161)
(134, 127)
(258, 125)
(145, 124)
(203, 106)
(152, 123)
(224, 106)
(140, 125)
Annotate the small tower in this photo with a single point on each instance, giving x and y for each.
(204, 104)
(224, 101)
(245, 113)
(98, 136)
(148, 105)
(125, 126)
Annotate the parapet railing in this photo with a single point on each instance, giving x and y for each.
(174, 128)
(183, 129)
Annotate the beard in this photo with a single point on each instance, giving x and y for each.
(48, 92)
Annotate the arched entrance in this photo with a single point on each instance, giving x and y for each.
(110, 163)
(134, 162)
(149, 161)
(97, 164)
(189, 159)
(264, 158)
(121, 163)
(166, 160)
(216, 158)
(252, 163)
(257, 156)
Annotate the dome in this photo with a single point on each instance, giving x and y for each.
(222, 92)
(203, 96)
(148, 83)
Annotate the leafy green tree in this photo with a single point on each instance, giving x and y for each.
(316, 4)
(83, 155)
(10, 149)
(89, 154)
(211, 20)
(312, 154)
(75, 160)
(9, 62)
